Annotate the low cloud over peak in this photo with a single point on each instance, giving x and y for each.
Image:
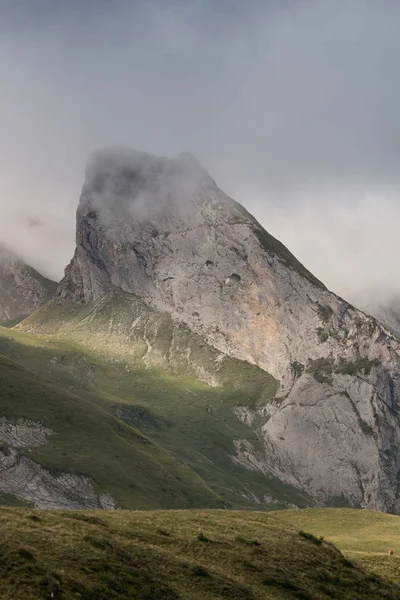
(291, 107)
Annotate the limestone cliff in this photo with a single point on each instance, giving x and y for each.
(387, 313)
(22, 289)
(161, 229)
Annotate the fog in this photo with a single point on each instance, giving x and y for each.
(292, 107)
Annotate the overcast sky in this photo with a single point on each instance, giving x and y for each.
(292, 106)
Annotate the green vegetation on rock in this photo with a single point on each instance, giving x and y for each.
(324, 312)
(323, 368)
(161, 379)
(323, 336)
(361, 365)
(10, 500)
(298, 368)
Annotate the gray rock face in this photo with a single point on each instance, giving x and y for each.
(24, 478)
(163, 230)
(22, 289)
(388, 314)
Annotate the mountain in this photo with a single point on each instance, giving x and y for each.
(23, 289)
(173, 279)
(202, 555)
(157, 378)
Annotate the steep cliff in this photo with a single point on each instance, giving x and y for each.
(162, 230)
(22, 289)
(387, 313)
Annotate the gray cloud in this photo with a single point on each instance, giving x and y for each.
(292, 106)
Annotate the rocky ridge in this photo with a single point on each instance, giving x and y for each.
(23, 289)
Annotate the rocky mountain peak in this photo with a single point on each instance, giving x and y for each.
(162, 230)
(133, 199)
(8, 258)
(121, 182)
(22, 288)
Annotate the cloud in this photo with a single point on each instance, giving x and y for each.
(291, 106)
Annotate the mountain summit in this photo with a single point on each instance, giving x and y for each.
(22, 289)
(160, 230)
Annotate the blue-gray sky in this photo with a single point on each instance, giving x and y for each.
(292, 106)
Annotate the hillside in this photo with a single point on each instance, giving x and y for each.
(187, 555)
(191, 407)
(58, 450)
(364, 536)
(22, 288)
(190, 261)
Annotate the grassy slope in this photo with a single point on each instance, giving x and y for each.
(188, 555)
(167, 402)
(365, 536)
(91, 442)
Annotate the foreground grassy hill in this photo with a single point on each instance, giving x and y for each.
(172, 555)
(84, 440)
(364, 536)
(159, 378)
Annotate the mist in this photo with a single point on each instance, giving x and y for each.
(291, 106)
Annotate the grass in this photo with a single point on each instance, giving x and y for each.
(172, 555)
(13, 322)
(122, 327)
(10, 500)
(364, 536)
(88, 351)
(159, 378)
(91, 442)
